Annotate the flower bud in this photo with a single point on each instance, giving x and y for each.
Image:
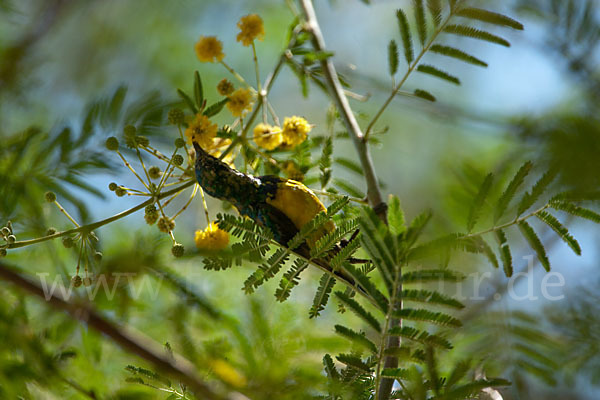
(97, 256)
(129, 130)
(112, 143)
(165, 225)
(120, 191)
(142, 141)
(3, 253)
(112, 186)
(176, 116)
(11, 239)
(50, 231)
(68, 242)
(76, 281)
(154, 172)
(179, 142)
(87, 281)
(50, 197)
(177, 250)
(5, 231)
(177, 159)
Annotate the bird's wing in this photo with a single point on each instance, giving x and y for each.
(282, 227)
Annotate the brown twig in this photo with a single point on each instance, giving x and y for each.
(129, 340)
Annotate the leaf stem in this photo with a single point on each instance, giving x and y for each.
(410, 69)
(98, 224)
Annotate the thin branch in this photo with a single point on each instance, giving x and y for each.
(361, 144)
(337, 93)
(98, 224)
(129, 340)
(410, 69)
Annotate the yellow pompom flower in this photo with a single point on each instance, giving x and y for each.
(251, 27)
(209, 49)
(218, 146)
(240, 102)
(227, 373)
(201, 131)
(295, 131)
(225, 87)
(211, 238)
(267, 136)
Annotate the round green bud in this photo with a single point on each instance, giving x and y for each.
(179, 142)
(142, 141)
(177, 159)
(87, 281)
(50, 197)
(151, 214)
(112, 186)
(165, 225)
(177, 250)
(11, 239)
(154, 172)
(151, 218)
(5, 231)
(150, 209)
(97, 256)
(129, 130)
(3, 252)
(120, 191)
(68, 242)
(50, 231)
(176, 116)
(76, 281)
(112, 143)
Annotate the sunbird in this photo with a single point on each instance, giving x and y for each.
(282, 205)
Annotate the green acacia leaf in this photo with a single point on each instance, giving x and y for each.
(505, 254)
(430, 297)
(535, 243)
(438, 73)
(359, 310)
(489, 17)
(419, 336)
(421, 21)
(435, 9)
(321, 298)
(354, 362)
(356, 337)
(215, 108)
(529, 198)
(425, 95)
(511, 190)
(406, 36)
(479, 201)
(198, 90)
(395, 216)
(393, 57)
(576, 210)
(560, 230)
(475, 33)
(428, 316)
(458, 54)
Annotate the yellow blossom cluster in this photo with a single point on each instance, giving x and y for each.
(211, 238)
(251, 27)
(295, 131)
(209, 49)
(201, 131)
(267, 136)
(240, 102)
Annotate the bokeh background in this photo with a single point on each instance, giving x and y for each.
(537, 100)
